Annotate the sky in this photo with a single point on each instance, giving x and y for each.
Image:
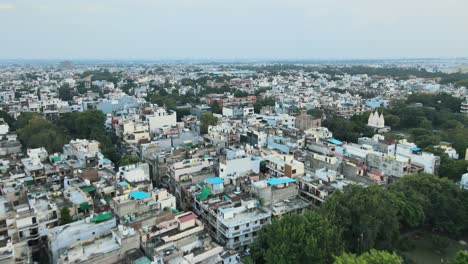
(233, 29)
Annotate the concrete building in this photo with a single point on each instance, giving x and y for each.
(256, 139)
(134, 173)
(305, 121)
(421, 161)
(64, 237)
(397, 166)
(4, 127)
(237, 110)
(84, 152)
(464, 181)
(236, 163)
(180, 240)
(284, 166)
(159, 118)
(109, 247)
(139, 206)
(234, 223)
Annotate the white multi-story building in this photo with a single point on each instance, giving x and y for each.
(239, 226)
(4, 127)
(84, 151)
(133, 131)
(134, 172)
(238, 163)
(464, 106)
(160, 118)
(428, 161)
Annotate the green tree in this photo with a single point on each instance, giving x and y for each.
(24, 119)
(371, 257)
(270, 101)
(462, 258)
(65, 93)
(369, 217)
(8, 119)
(65, 217)
(39, 132)
(90, 125)
(80, 88)
(206, 120)
(307, 238)
(440, 199)
(392, 120)
(452, 169)
(216, 109)
(315, 113)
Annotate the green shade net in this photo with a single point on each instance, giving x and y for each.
(204, 194)
(84, 206)
(101, 218)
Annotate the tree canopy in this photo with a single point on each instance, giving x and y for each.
(443, 203)
(462, 258)
(369, 217)
(65, 93)
(370, 257)
(206, 120)
(307, 238)
(65, 217)
(34, 131)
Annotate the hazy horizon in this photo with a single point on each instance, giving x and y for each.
(232, 30)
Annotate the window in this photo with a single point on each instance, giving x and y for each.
(256, 221)
(247, 225)
(236, 239)
(246, 235)
(294, 171)
(236, 228)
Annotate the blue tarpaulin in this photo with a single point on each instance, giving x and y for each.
(215, 180)
(334, 141)
(139, 195)
(282, 180)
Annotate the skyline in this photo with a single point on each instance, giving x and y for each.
(228, 30)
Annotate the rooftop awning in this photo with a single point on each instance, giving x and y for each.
(88, 189)
(101, 218)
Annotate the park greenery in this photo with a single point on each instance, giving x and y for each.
(371, 257)
(306, 238)
(36, 131)
(357, 221)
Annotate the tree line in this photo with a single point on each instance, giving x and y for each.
(366, 223)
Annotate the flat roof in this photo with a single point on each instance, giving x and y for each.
(123, 183)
